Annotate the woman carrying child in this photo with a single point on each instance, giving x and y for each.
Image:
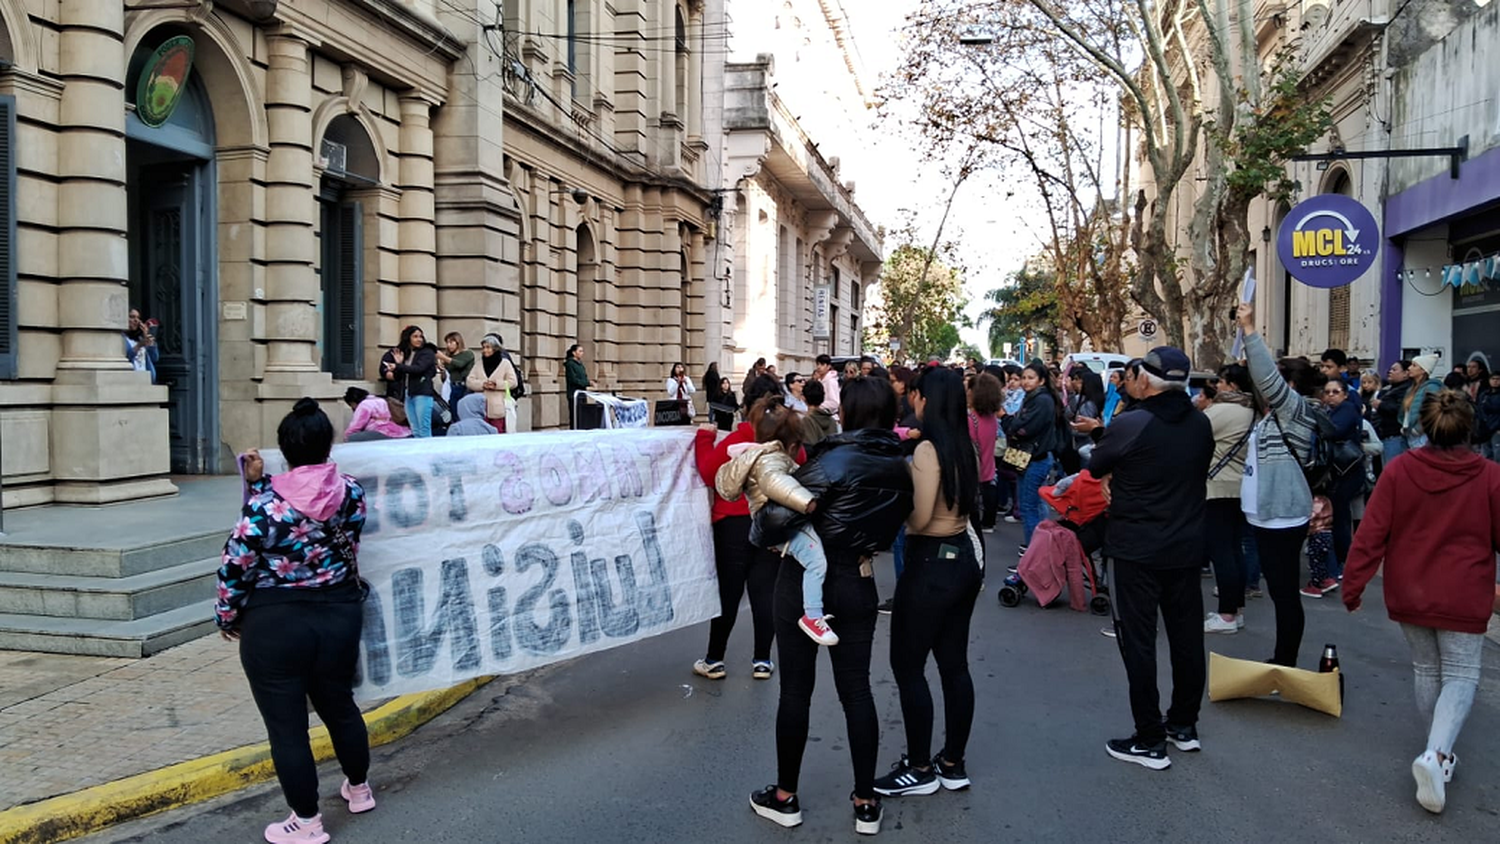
(935, 596)
(762, 472)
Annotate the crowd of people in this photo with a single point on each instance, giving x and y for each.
(1266, 463)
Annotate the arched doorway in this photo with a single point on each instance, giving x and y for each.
(172, 198)
(1338, 298)
(588, 295)
(351, 166)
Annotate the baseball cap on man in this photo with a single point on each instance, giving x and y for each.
(1167, 363)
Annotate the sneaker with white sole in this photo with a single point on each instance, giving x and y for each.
(1012, 520)
(712, 670)
(762, 669)
(780, 812)
(951, 775)
(1312, 590)
(361, 798)
(1239, 619)
(1328, 585)
(1448, 765)
(295, 830)
(818, 630)
(1184, 738)
(1215, 623)
(905, 779)
(1428, 773)
(1153, 756)
(866, 817)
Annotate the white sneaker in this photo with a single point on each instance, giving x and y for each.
(1239, 619)
(1428, 773)
(1216, 624)
(1448, 765)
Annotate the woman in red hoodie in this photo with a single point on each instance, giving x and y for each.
(1442, 495)
(741, 566)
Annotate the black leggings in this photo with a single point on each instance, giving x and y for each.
(1226, 526)
(989, 492)
(295, 652)
(1281, 562)
(930, 615)
(742, 567)
(1346, 488)
(851, 599)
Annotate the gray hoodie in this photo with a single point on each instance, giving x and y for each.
(1280, 486)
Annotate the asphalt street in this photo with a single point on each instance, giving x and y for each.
(628, 745)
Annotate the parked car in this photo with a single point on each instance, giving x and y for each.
(1100, 362)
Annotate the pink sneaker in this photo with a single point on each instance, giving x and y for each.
(818, 630)
(361, 797)
(293, 831)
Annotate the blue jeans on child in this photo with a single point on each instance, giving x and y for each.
(807, 548)
(1030, 494)
(419, 415)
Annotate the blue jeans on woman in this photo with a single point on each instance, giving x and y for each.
(1391, 448)
(419, 415)
(1030, 494)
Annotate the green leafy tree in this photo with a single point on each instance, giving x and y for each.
(1026, 306)
(920, 298)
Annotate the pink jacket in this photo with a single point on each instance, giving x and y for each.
(1054, 558)
(374, 414)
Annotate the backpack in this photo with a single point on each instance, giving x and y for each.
(519, 390)
(1317, 467)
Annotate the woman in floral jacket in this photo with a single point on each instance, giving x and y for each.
(289, 591)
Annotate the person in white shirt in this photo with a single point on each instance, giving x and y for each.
(680, 387)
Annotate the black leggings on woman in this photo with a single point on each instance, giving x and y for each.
(930, 615)
(1281, 562)
(742, 568)
(300, 651)
(851, 599)
(1226, 526)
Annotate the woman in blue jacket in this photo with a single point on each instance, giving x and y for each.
(1347, 478)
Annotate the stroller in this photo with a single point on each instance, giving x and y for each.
(1079, 502)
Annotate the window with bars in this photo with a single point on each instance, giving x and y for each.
(1338, 317)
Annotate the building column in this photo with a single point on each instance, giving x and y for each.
(109, 431)
(417, 232)
(291, 208)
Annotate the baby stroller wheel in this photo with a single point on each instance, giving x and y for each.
(1010, 596)
(1099, 605)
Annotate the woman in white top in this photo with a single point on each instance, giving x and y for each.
(680, 387)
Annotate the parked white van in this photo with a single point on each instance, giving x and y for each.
(1100, 362)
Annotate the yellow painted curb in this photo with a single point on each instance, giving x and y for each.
(92, 809)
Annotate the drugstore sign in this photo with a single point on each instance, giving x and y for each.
(1328, 241)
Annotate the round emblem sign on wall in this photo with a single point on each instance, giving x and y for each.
(1328, 241)
(163, 80)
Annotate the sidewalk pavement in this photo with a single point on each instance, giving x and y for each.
(101, 740)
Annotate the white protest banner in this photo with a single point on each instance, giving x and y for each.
(493, 555)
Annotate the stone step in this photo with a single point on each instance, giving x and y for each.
(92, 637)
(101, 560)
(107, 598)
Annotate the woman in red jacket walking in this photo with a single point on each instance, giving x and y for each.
(1442, 495)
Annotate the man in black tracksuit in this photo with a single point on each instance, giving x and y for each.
(1155, 462)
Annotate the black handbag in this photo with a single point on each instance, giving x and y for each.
(345, 548)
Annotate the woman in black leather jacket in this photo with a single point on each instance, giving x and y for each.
(416, 366)
(864, 490)
(1036, 429)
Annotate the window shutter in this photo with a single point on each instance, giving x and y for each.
(8, 315)
(349, 345)
(1338, 317)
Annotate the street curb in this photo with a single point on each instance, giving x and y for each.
(92, 809)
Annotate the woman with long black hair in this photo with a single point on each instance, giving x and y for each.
(1036, 430)
(935, 595)
(416, 365)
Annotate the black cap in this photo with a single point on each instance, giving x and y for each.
(1167, 363)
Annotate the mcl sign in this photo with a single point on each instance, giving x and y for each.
(1328, 241)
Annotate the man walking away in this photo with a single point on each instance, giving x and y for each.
(1155, 463)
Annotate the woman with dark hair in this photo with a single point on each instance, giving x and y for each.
(935, 597)
(289, 592)
(712, 382)
(415, 366)
(984, 429)
(679, 386)
(795, 383)
(1086, 402)
(741, 566)
(1434, 523)
(1346, 482)
(495, 377)
(1036, 430)
(457, 359)
(864, 493)
(1274, 495)
(1232, 417)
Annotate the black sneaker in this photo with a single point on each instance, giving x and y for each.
(866, 817)
(1184, 738)
(904, 779)
(884, 607)
(951, 775)
(1153, 756)
(1020, 550)
(783, 812)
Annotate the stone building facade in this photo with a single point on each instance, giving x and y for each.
(333, 170)
(795, 255)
